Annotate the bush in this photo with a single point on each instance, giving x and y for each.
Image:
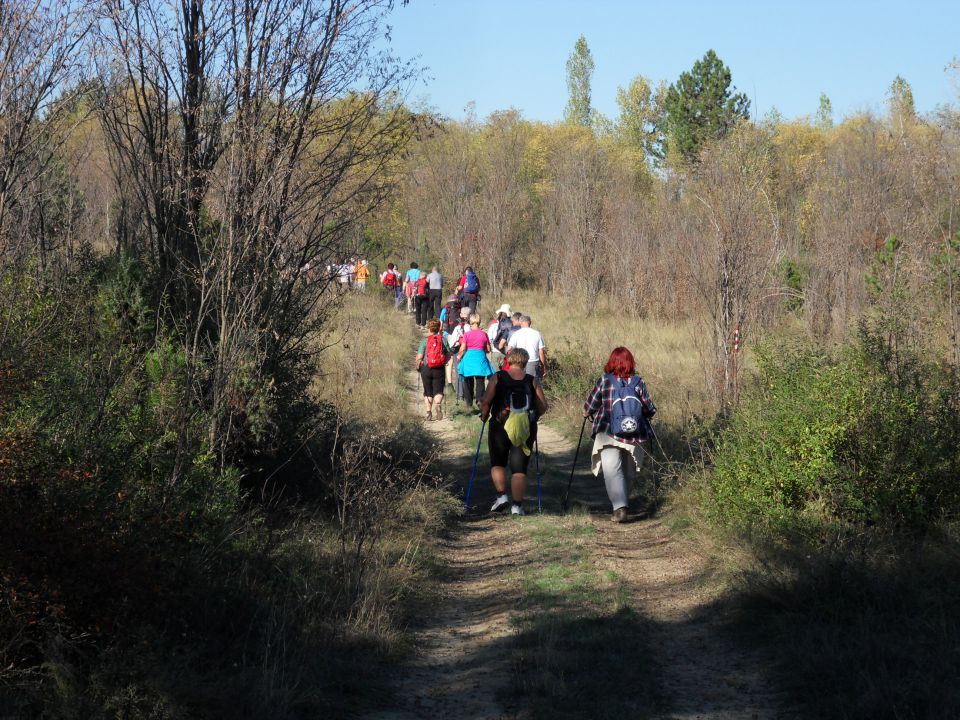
(823, 442)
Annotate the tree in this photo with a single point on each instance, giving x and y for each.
(579, 73)
(702, 106)
(256, 138)
(824, 117)
(641, 113)
(903, 114)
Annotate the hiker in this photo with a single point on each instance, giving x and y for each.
(450, 314)
(506, 327)
(432, 356)
(409, 284)
(496, 332)
(434, 293)
(513, 402)
(363, 274)
(475, 367)
(469, 288)
(421, 300)
(454, 340)
(532, 341)
(391, 281)
(345, 273)
(621, 409)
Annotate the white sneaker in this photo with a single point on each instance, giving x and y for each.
(500, 504)
(517, 510)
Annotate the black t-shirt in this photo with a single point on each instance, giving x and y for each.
(523, 392)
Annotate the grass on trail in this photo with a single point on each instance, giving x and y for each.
(581, 650)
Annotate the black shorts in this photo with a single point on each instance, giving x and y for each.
(433, 380)
(503, 453)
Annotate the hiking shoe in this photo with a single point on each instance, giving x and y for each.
(517, 510)
(620, 515)
(429, 416)
(438, 415)
(500, 504)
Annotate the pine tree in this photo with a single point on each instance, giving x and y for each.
(702, 106)
(825, 112)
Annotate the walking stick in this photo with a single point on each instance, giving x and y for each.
(539, 476)
(573, 467)
(473, 473)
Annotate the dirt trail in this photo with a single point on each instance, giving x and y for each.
(462, 666)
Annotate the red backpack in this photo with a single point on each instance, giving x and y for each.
(422, 287)
(390, 280)
(436, 355)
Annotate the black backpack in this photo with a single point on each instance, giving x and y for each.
(453, 315)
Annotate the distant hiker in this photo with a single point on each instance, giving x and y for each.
(345, 274)
(409, 284)
(434, 293)
(391, 281)
(621, 409)
(497, 332)
(469, 288)
(362, 274)
(532, 341)
(513, 402)
(475, 367)
(421, 300)
(432, 357)
(450, 314)
(454, 340)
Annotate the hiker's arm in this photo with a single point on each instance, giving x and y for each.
(419, 360)
(488, 399)
(649, 409)
(539, 399)
(543, 362)
(594, 399)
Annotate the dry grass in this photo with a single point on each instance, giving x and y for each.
(667, 354)
(369, 348)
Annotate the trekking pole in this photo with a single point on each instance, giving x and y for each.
(539, 476)
(473, 473)
(573, 467)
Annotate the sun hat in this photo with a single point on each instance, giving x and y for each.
(504, 309)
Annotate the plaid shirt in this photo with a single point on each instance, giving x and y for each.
(598, 406)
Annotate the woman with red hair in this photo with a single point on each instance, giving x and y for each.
(621, 409)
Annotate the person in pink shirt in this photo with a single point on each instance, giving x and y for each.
(475, 366)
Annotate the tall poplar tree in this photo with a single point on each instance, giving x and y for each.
(579, 73)
(702, 106)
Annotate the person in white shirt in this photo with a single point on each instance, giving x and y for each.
(532, 341)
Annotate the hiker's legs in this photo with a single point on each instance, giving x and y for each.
(438, 406)
(398, 298)
(498, 474)
(468, 391)
(421, 310)
(481, 387)
(618, 472)
(470, 299)
(518, 487)
(433, 311)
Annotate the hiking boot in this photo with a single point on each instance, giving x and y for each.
(500, 504)
(517, 509)
(429, 416)
(620, 515)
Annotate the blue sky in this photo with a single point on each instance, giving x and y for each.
(502, 54)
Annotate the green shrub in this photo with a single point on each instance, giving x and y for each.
(822, 442)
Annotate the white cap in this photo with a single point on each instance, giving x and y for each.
(504, 309)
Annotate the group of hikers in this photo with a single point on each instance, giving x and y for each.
(498, 369)
(424, 291)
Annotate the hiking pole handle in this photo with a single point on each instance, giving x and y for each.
(573, 467)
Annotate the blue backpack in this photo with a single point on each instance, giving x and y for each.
(472, 283)
(626, 407)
